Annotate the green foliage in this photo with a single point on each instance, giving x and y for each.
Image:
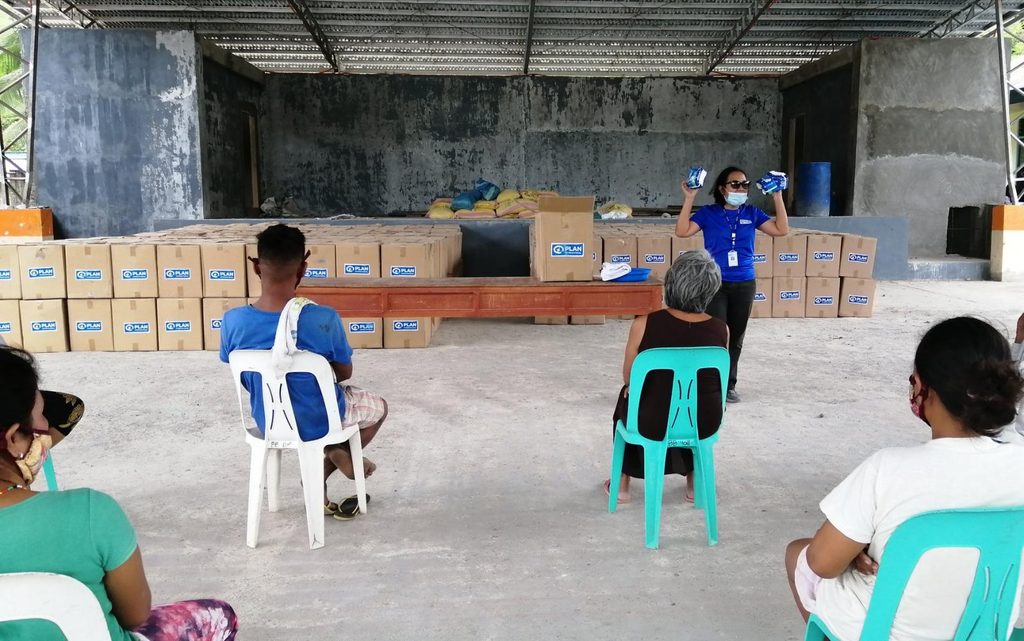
(14, 98)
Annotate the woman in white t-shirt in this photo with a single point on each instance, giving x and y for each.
(965, 387)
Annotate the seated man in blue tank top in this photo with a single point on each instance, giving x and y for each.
(280, 265)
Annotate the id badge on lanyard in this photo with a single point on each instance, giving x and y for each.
(733, 256)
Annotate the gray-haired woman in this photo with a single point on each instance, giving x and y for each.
(690, 284)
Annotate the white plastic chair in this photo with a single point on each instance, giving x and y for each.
(282, 434)
(53, 597)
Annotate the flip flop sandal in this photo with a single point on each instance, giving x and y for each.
(608, 492)
(349, 508)
(330, 508)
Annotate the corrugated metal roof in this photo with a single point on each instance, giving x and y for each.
(589, 37)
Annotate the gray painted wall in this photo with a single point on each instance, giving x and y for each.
(229, 100)
(928, 133)
(117, 129)
(376, 144)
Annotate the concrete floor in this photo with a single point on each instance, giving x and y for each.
(488, 520)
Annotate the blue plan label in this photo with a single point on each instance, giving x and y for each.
(405, 325)
(357, 269)
(567, 250)
(356, 327)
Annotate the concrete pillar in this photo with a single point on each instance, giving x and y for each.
(1007, 242)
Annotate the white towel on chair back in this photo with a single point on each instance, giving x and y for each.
(287, 334)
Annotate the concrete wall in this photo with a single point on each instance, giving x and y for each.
(928, 133)
(117, 129)
(229, 101)
(377, 144)
(824, 105)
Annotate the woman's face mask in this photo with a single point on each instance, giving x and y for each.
(32, 460)
(736, 198)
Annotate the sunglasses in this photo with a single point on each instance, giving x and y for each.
(738, 184)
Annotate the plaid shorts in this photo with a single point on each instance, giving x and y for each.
(362, 407)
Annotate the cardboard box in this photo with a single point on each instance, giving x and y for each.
(179, 271)
(563, 232)
(586, 320)
(407, 260)
(620, 250)
(550, 320)
(407, 332)
(134, 269)
(858, 256)
(10, 273)
(10, 322)
(683, 245)
(42, 272)
(321, 264)
(213, 315)
(44, 326)
(364, 333)
(252, 281)
(596, 253)
(763, 293)
(763, 256)
(88, 271)
(179, 324)
(788, 296)
(790, 256)
(655, 254)
(358, 259)
(223, 270)
(822, 297)
(857, 298)
(823, 255)
(134, 323)
(89, 325)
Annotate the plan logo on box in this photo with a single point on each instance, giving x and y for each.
(178, 326)
(44, 326)
(759, 297)
(5, 327)
(134, 274)
(405, 325)
(222, 274)
(136, 328)
(858, 258)
(824, 300)
(5, 274)
(824, 256)
(651, 259)
(403, 271)
(363, 327)
(856, 299)
(215, 323)
(620, 258)
(178, 273)
(89, 326)
(40, 272)
(567, 250)
(789, 295)
(789, 258)
(357, 269)
(88, 274)
(760, 258)
(316, 272)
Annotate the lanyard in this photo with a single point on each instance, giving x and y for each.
(734, 224)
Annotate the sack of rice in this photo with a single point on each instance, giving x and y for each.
(507, 195)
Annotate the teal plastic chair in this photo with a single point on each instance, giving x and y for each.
(998, 535)
(48, 471)
(684, 363)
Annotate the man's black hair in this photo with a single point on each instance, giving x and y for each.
(281, 245)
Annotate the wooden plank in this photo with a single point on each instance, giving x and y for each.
(483, 297)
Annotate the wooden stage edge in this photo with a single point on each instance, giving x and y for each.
(483, 297)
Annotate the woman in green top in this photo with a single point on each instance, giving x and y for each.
(82, 533)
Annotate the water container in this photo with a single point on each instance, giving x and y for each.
(813, 189)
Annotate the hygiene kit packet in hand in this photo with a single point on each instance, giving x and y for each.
(695, 180)
(772, 182)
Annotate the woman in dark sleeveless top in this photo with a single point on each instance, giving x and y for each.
(690, 284)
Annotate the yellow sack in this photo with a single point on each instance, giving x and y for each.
(440, 212)
(485, 204)
(507, 195)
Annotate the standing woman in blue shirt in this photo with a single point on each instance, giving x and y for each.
(729, 228)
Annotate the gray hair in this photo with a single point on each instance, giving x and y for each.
(692, 281)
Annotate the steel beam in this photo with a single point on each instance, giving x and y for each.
(750, 16)
(309, 21)
(529, 38)
(958, 19)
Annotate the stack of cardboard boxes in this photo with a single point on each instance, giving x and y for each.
(814, 275)
(169, 291)
(806, 274)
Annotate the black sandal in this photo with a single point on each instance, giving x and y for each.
(349, 508)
